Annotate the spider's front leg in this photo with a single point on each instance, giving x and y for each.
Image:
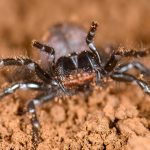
(34, 119)
(44, 48)
(124, 77)
(91, 45)
(31, 65)
(90, 42)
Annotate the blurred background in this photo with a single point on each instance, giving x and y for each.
(120, 21)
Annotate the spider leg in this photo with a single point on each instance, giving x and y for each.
(34, 119)
(136, 65)
(61, 86)
(24, 86)
(124, 77)
(90, 42)
(49, 50)
(133, 53)
(43, 47)
(31, 65)
(116, 56)
(97, 71)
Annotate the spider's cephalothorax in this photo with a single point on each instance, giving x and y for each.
(70, 62)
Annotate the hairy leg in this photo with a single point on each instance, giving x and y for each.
(90, 42)
(124, 77)
(44, 48)
(97, 71)
(116, 56)
(31, 65)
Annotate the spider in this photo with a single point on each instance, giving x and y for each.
(70, 62)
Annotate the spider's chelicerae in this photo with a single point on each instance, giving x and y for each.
(70, 63)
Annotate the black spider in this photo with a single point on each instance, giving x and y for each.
(70, 63)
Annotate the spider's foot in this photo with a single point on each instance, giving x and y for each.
(2, 95)
(94, 26)
(36, 138)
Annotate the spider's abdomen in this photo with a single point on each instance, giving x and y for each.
(65, 39)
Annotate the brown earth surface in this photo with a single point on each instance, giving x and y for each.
(115, 117)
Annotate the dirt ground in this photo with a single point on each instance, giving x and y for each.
(115, 117)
